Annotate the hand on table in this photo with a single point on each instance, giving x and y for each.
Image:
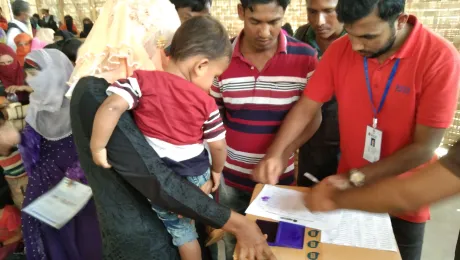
(252, 244)
(322, 196)
(269, 169)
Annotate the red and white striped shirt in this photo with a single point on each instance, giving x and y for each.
(255, 104)
(174, 115)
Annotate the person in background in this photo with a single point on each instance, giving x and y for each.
(320, 156)
(48, 20)
(392, 92)
(70, 49)
(45, 35)
(49, 155)
(34, 23)
(3, 21)
(187, 9)
(266, 77)
(12, 75)
(87, 26)
(19, 24)
(69, 25)
(287, 28)
(2, 36)
(23, 46)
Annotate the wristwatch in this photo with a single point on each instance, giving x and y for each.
(357, 178)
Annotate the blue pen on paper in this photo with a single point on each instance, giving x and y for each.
(311, 177)
(289, 219)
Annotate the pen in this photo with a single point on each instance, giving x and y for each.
(288, 219)
(311, 177)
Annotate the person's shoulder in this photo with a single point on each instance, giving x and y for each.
(441, 49)
(297, 47)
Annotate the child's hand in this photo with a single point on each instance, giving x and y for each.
(100, 158)
(215, 180)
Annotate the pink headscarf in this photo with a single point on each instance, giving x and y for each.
(37, 44)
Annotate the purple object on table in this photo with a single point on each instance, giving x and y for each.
(290, 235)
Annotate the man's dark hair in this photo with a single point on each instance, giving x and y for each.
(19, 6)
(36, 16)
(250, 3)
(350, 11)
(201, 35)
(53, 46)
(47, 11)
(70, 49)
(195, 5)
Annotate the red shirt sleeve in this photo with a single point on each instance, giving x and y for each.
(439, 95)
(320, 83)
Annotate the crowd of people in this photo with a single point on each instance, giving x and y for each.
(172, 123)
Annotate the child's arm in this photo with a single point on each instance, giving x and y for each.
(105, 121)
(214, 134)
(219, 156)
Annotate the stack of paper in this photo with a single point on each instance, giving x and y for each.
(362, 229)
(342, 227)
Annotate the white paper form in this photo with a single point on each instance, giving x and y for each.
(362, 229)
(59, 205)
(287, 205)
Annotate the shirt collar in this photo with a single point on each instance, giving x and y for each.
(407, 49)
(282, 44)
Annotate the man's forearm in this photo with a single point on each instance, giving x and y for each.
(424, 187)
(406, 159)
(296, 121)
(308, 132)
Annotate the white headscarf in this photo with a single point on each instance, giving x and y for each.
(49, 110)
(125, 38)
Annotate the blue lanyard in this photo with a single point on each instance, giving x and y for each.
(376, 111)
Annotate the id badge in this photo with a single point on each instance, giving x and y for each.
(373, 144)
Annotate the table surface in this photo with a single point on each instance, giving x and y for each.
(317, 251)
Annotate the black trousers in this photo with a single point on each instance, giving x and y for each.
(409, 237)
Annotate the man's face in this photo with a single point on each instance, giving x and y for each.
(262, 25)
(323, 18)
(44, 13)
(371, 36)
(187, 13)
(25, 17)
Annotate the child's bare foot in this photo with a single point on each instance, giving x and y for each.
(214, 235)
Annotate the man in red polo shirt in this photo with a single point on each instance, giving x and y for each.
(396, 84)
(266, 76)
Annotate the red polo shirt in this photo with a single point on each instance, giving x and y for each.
(424, 91)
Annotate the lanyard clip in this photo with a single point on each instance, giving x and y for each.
(374, 123)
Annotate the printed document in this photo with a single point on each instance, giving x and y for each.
(59, 205)
(362, 229)
(287, 205)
